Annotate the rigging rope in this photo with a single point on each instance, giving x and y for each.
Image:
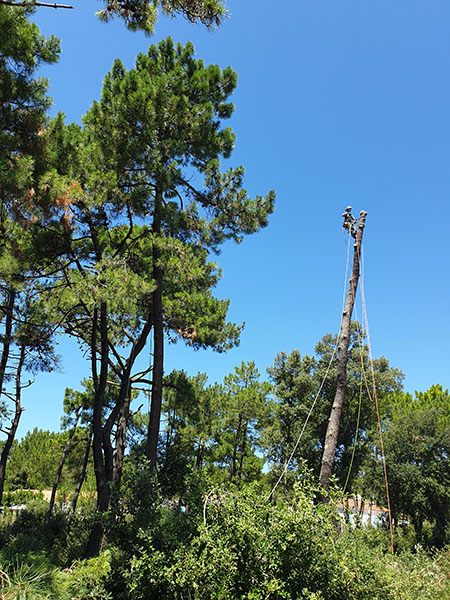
(372, 397)
(366, 322)
(288, 461)
(355, 443)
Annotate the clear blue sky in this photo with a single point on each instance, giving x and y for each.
(338, 103)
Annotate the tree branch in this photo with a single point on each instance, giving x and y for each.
(33, 4)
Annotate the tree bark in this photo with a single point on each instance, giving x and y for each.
(61, 465)
(241, 460)
(14, 424)
(82, 474)
(332, 433)
(158, 339)
(11, 297)
(199, 457)
(235, 447)
(96, 535)
(121, 439)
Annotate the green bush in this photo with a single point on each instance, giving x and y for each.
(61, 541)
(248, 549)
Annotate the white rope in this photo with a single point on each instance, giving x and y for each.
(287, 463)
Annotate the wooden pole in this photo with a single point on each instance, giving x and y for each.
(331, 437)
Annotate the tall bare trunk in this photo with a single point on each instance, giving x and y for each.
(344, 336)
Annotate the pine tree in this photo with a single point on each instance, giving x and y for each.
(149, 203)
(23, 102)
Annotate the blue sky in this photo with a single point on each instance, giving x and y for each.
(337, 103)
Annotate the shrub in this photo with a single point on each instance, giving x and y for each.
(250, 549)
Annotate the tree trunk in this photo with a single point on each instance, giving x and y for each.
(82, 474)
(199, 457)
(235, 447)
(61, 465)
(241, 461)
(344, 335)
(96, 536)
(11, 297)
(14, 424)
(158, 339)
(121, 441)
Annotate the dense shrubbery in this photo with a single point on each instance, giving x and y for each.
(248, 548)
(227, 544)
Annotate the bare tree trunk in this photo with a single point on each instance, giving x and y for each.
(61, 465)
(82, 474)
(331, 437)
(15, 422)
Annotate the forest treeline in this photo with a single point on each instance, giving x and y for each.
(165, 485)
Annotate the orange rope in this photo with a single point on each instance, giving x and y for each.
(378, 413)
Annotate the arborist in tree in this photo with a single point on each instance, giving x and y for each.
(349, 221)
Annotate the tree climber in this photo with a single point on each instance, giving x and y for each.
(349, 221)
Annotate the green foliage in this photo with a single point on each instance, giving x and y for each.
(417, 446)
(296, 383)
(142, 15)
(38, 579)
(24, 103)
(248, 548)
(22, 581)
(23, 538)
(166, 116)
(213, 428)
(34, 460)
(21, 496)
(85, 579)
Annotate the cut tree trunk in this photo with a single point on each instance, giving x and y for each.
(331, 437)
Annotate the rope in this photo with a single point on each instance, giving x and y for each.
(366, 322)
(355, 443)
(346, 271)
(287, 463)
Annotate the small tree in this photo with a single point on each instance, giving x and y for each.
(417, 446)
